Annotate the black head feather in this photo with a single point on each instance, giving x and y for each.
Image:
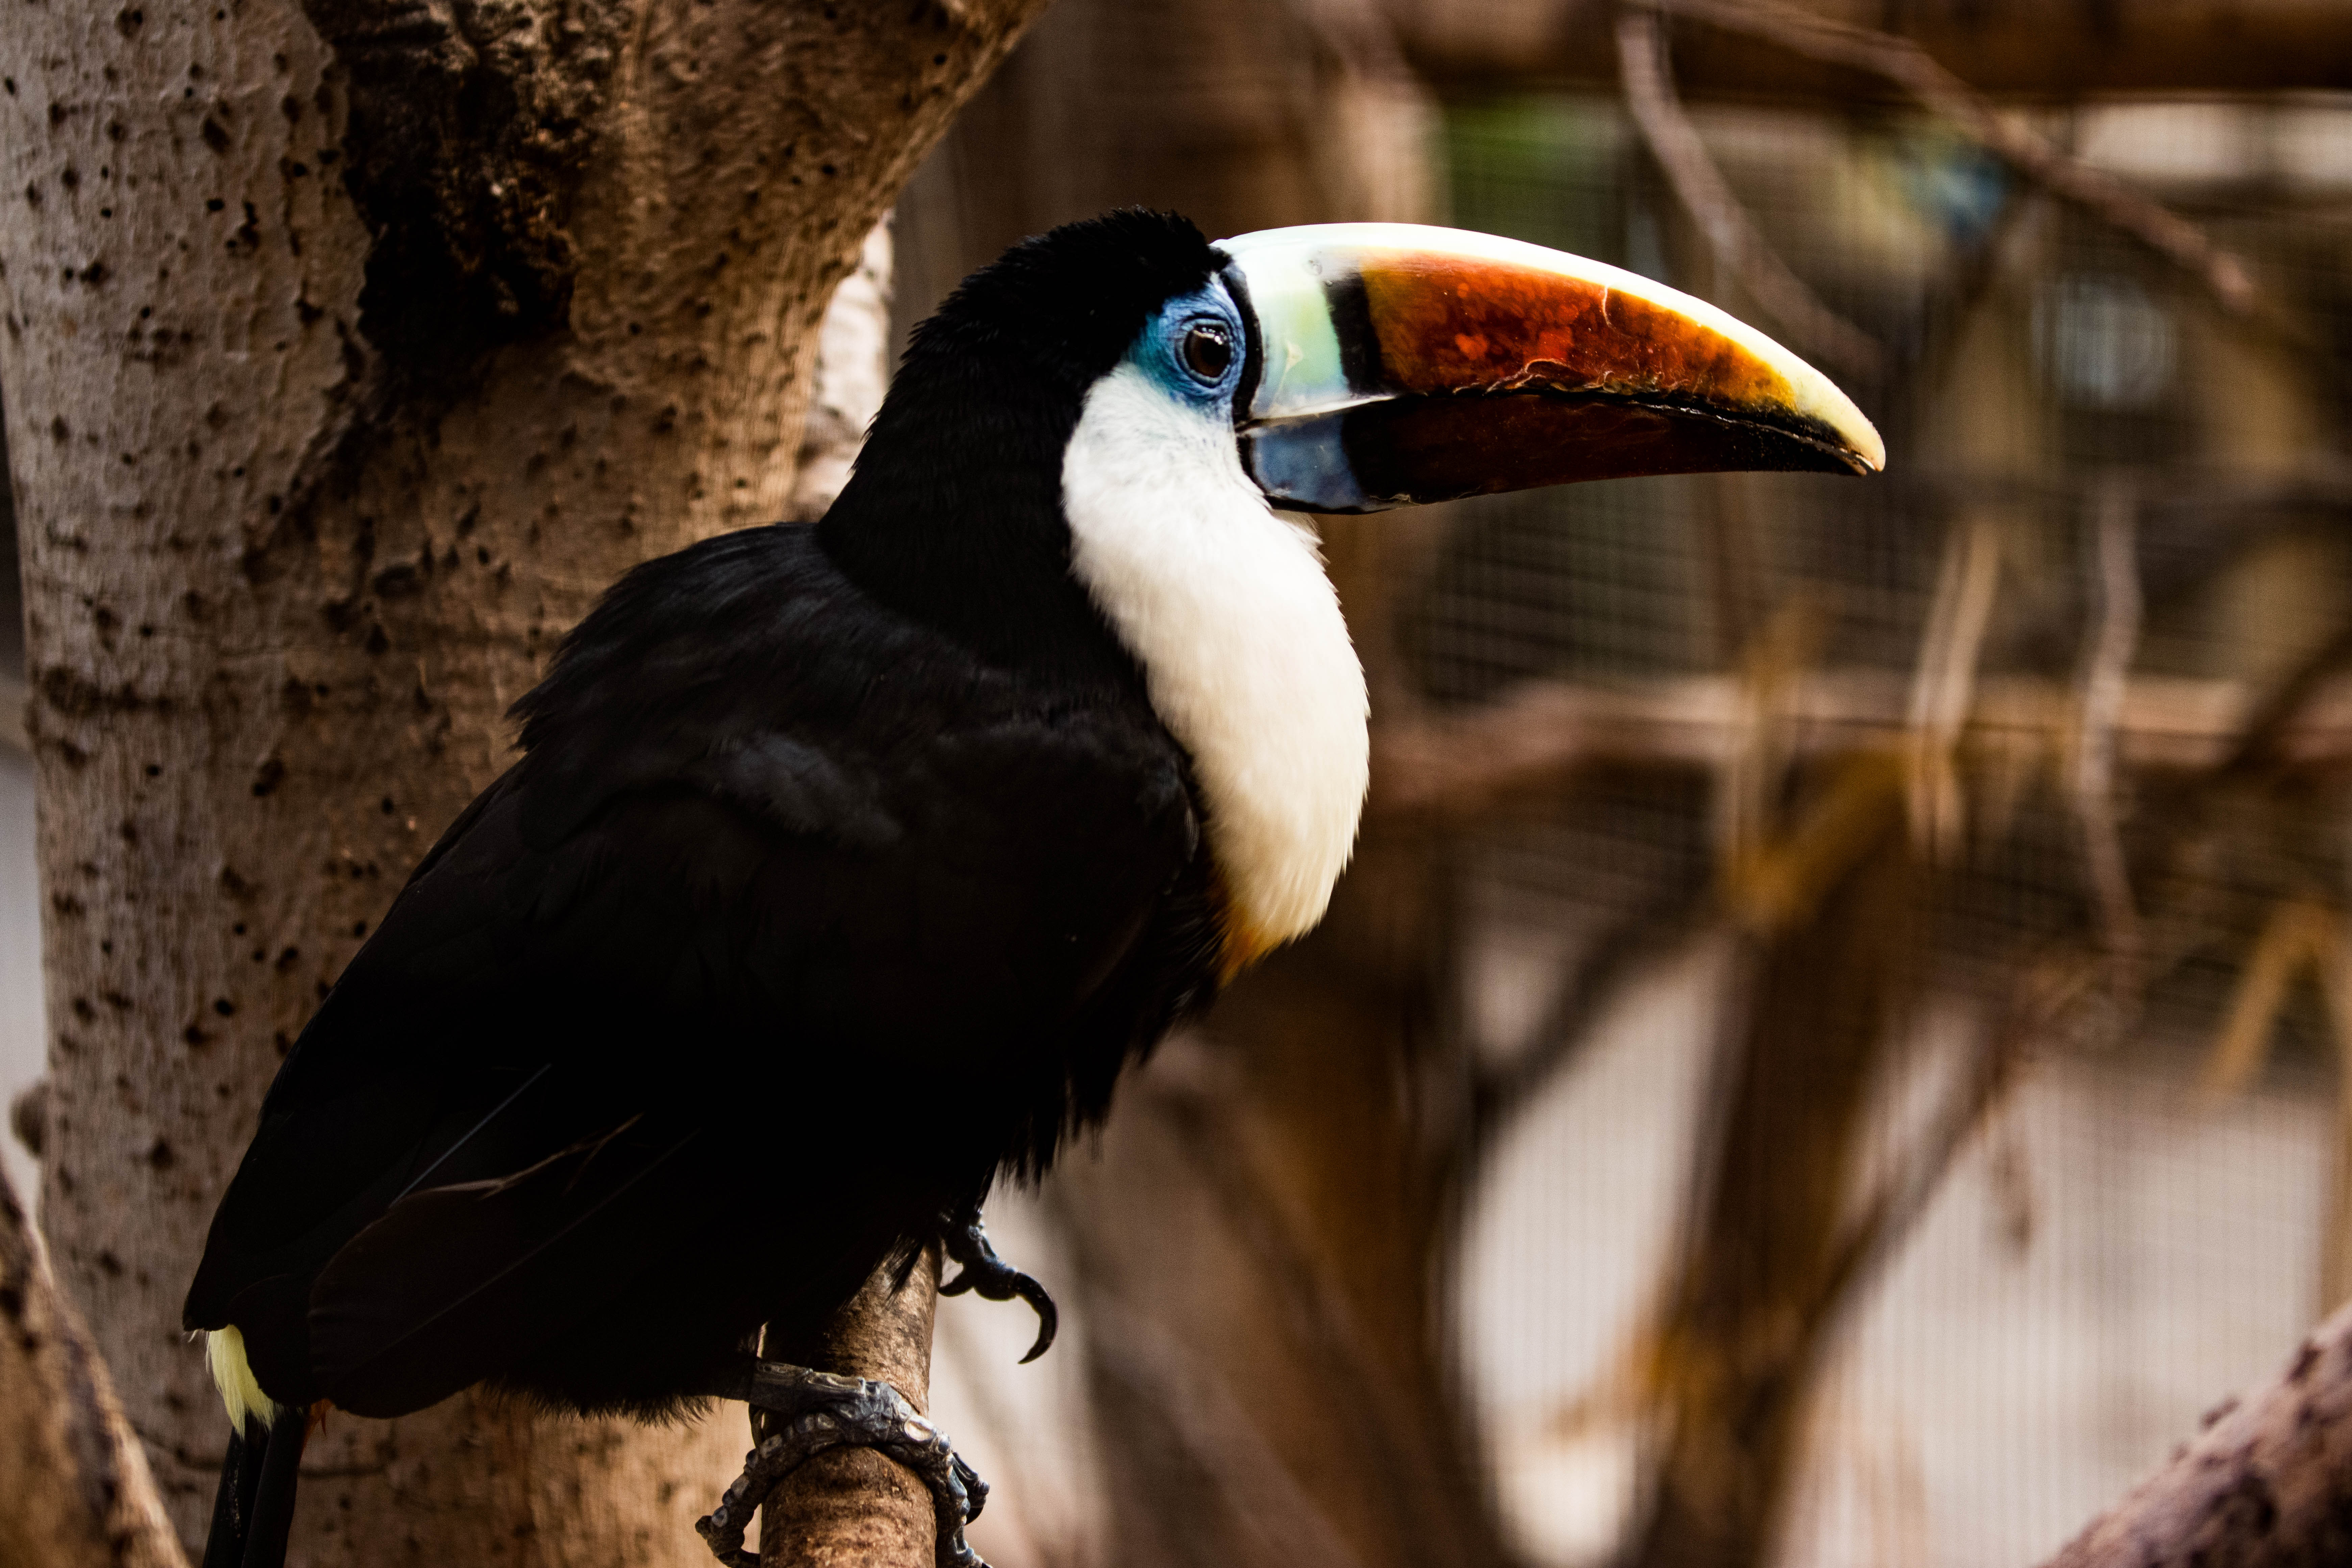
(953, 514)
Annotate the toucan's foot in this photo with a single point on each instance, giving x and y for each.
(807, 1413)
(994, 1279)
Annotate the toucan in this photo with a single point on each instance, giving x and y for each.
(846, 867)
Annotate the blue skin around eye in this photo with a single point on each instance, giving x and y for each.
(1300, 462)
(1158, 348)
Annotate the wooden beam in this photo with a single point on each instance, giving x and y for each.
(2008, 47)
(1449, 763)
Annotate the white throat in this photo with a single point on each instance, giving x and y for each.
(1225, 605)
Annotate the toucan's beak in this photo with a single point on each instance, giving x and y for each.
(1392, 362)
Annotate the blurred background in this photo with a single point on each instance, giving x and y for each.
(1833, 1049)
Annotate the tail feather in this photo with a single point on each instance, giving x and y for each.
(233, 1504)
(253, 1513)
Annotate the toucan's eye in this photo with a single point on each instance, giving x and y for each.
(1208, 351)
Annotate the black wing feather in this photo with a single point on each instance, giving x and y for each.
(773, 857)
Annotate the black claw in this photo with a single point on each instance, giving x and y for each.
(1049, 1317)
(809, 1411)
(975, 1491)
(994, 1279)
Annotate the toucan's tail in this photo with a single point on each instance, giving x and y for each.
(254, 1507)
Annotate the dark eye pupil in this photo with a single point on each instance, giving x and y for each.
(1207, 351)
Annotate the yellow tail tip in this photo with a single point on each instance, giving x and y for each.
(240, 1391)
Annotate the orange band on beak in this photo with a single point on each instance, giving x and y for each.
(1397, 364)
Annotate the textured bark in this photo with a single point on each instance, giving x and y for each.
(852, 1505)
(2267, 1483)
(79, 1494)
(347, 356)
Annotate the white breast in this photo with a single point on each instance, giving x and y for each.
(1225, 605)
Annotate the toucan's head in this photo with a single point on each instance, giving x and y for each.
(1105, 431)
(1354, 366)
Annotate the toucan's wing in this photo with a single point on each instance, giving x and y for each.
(707, 897)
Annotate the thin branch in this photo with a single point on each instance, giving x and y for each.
(1937, 89)
(2047, 1002)
(1216, 1433)
(2300, 932)
(2265, 745)
(2106, 671)
(1944, 684)
(1602, 971)
(2335, 963)
(1739, 247)
(1325, 1324)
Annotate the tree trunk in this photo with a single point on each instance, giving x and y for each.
(347, 355)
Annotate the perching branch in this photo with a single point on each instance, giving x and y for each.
(853, 1505)
(1940, 92)
(1739, 248)
(2267, 1483)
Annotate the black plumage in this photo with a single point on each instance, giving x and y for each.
(844, 868)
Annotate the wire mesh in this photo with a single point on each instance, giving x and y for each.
(2115, 1247)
